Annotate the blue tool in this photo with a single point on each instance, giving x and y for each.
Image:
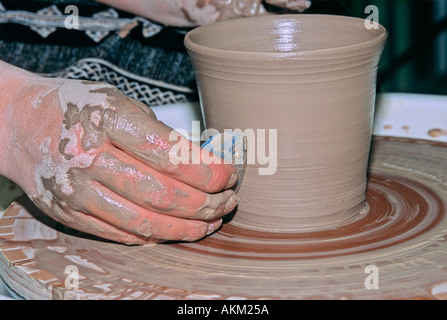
(233, 149)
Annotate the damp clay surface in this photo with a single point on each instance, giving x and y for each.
(305, 86)
(404, 235)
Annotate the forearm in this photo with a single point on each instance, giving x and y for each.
(21, 94)
(12, 80)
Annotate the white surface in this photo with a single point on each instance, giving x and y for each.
(182, 116)
(397, 114)
(411, 116)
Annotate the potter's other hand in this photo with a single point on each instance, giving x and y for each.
(296, 5)
(99, 162)
(192, 13)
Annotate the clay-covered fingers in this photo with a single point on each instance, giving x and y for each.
(155, 191)
(90, 224)
(86, 223)
(165, 150)
(107, 214)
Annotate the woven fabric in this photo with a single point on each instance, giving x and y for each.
(147, 61)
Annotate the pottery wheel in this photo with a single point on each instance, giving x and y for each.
(404, 237)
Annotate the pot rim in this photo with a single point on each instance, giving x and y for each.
(195, 47)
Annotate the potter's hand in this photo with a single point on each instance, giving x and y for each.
(296, 5)
(99, 162)
(191, 13)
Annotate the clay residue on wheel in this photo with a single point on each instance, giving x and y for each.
(403, 236)
(436, 132)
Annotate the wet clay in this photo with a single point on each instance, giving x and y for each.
(435, 133)
(403, 235)
(311, 80)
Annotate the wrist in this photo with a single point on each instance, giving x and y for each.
(12, 80)
(20, 122)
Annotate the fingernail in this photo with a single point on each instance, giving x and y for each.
(233, 179)
(231, 203)
(213, 226)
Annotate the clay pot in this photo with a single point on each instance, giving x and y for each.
(305, 86)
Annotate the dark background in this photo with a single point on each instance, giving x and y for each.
(415, 57)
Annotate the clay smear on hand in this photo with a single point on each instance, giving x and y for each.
(106, 171)
(63, 187)
(63, 182)
(202, 12)
(78, 143)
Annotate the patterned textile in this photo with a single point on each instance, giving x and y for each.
(147, 61)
